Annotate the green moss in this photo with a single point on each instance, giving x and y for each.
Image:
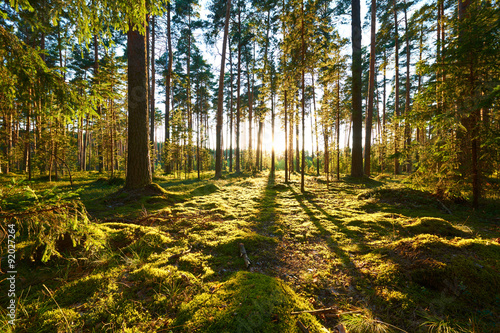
(246, 302)
(434, 226)
(205, 190)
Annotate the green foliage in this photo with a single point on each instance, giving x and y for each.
(46, 222)
(364, 322)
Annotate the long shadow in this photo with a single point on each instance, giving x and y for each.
(327, 235)
(265, 221)
(380, 226)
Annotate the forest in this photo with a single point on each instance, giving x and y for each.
(250, 166)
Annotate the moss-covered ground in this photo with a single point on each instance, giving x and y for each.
(386, 256)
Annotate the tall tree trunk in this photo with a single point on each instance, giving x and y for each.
(285, 102)
(290, 147)
(315, 125)
(407, 97)
(357, 150)
(231, 129)
(383, 113)
(371, 90)
(220, 100)
(396, 97)
(138, 161)
(152, 95)
(238, 99)
(167, 94)
(273, 156)
(258, 157)
(250, 114)
(189, 111)
(99, 109)
(198, 139)
(303, 83)
(337, 127)
(297, 133)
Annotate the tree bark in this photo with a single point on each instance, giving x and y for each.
(371, 90)
(303, 48)
(220, 100)
(231, 130)
(167, 94)
(407, 97)
(338, 127)
(396, 97)
(152, 99)
(238, 98)
(357, 150)
(138, 161)
(99, 109)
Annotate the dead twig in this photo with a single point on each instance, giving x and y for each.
(318, 311)
(243, 253)
(302, 327)
(445, 208)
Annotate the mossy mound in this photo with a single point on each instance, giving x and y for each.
(401, 197)
(248, 302)
(435, 226)
(280, 187)
(456, 267)
(205, 190)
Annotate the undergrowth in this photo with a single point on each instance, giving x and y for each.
(387, 257)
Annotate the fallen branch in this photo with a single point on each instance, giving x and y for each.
(302, 327)
(178, 255)
(445, 208)
(243, 253)
(31, 212)
(318, 311)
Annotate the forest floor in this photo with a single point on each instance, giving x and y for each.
(380, 255)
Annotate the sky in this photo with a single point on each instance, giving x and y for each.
(212, 55)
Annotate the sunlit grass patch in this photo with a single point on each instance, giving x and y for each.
(247, 301)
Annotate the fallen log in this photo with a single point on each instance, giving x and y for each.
(243, 253)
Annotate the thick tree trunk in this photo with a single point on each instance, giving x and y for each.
(138, 161)
(357, 150)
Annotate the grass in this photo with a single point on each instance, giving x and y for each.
(168, 260)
